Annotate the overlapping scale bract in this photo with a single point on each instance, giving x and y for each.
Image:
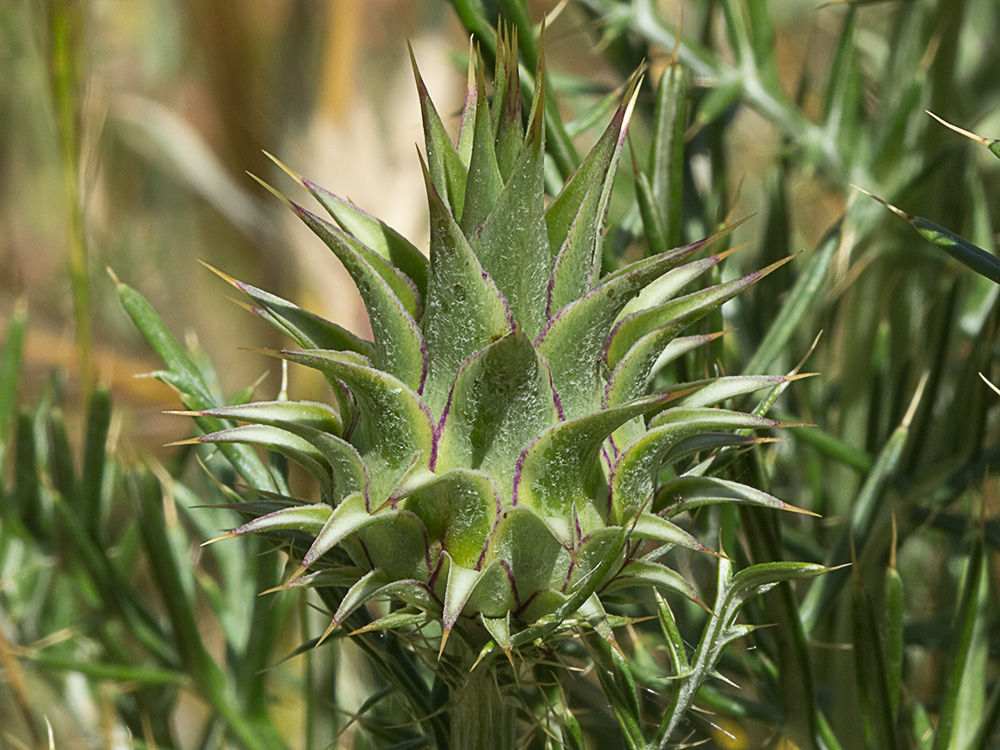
(497, 456)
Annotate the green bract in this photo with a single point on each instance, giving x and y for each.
(497, 462)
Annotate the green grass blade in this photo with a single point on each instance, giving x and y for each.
(877, 714)
(965, 693)
(802, 296)
(94, 459)
(10, 371)
(667, 150)
(863, 515)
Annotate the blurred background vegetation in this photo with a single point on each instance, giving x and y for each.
(126, 130)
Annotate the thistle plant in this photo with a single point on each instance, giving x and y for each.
(502, 458)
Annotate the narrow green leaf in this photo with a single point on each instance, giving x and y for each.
(308, 518)
(508, 130)
(484, 183)
(95, 456)
(10, 370)
(280, 441)
(667, 149)
(687, 493)
(305, 328)
(974, 257)
(678, 312)
(448, 171)
(633, 475)
(672, 636)
(803, 294)
(822, 594)
(598, 167)
(374, 233)
(391, 300)
(965, 693)
(877, 714)
(164, 344)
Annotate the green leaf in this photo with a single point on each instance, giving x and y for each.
(280, 441)
(459, 510)
(305, 328)
(974, 257)
(655, 575)
(448, 171)
(501, 399)
(676, 313)
(374, 233)
(575, 337)
(10, 370)
(465, 310)
(634, 473)
(511, 240)
(575, 269)
(650, 526)
(523, 557)
(687, 493)
(508, 130)
(184, 375)
(308, 518)
(599, 166)
(877, 714)
(484, 184)
(965, 693)
(395, 422)
(95, 457)
(667, 149)
(654, 351)
(559, 474)
(315, 423)
(391, 300)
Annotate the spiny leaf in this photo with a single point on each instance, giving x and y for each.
(501, 399)
(598, 166)
(465, 311)
(677, 313)
(394, 420)
(511, 241)
(459, 510)
(305, 328)
(687, 493)
(632, 478)
(280, 441)
(984, 263)
(560, 468)
(448, 171)
(485, 183)
(573, 340)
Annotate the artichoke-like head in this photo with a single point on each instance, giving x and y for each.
(496, 461)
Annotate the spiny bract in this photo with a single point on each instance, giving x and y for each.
(496, 461)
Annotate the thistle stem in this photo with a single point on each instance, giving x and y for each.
(484, 709)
